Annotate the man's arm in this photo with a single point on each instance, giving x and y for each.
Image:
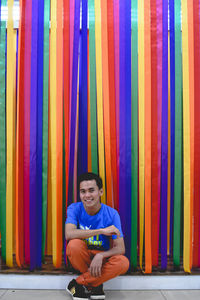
(71, 232)
(96, 264)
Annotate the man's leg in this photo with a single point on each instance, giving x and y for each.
(78, 255)
(112, 267)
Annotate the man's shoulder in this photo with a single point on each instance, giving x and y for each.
(109, 209)
(75, 205)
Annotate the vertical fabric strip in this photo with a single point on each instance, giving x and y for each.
(99, 94)
(20, 142)
(169, 155)
(196, 261)
(186, 136)
(39, 228)
(53, 87)
(10, 125)
(134, 151)
(191, 103)
(164, 144)
(172, 113)
(74, 99)
(27, 89)
(127, 204)
(83, 96)
(106, 102)
(66, 85)
(33, 138)
(3, 135)
(59, 133)
(154, 134)
(178, 137)
(159, 103)
(92, 91)
(141, 98)
(45, 121)
(147, 112)
(116, 55)
(111, 66)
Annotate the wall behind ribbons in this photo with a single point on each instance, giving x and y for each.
(110, 87)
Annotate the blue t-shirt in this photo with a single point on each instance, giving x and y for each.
(107, 216)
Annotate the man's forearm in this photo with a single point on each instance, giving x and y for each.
(113, 251)
(82, 234)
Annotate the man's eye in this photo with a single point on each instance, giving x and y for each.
(82, 192)
(91, 190)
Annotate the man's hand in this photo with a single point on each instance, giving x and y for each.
(111, 230)
(96, 265)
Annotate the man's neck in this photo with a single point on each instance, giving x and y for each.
(93, 211)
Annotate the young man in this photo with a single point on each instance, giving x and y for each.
(96, 244)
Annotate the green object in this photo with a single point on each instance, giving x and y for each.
(134, 151)
(178, 137)
(45, 123)
(93, 98)
(3, 137)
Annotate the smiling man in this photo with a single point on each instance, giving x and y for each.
(96, 244)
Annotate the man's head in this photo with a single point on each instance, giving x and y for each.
(90, 187)
(90, 176)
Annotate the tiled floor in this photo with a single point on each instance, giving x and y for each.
(110, 295)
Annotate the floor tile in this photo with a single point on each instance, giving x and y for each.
(133, 295)
(2, 292)
(36, 294)
(182, 295)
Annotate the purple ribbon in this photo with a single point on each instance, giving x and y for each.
(74, 98)
(125, 122)
(39, 132)
(172, 115)
(164, 146)
(83, 96)
(33, 138)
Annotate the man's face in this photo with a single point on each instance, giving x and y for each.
(90, 194)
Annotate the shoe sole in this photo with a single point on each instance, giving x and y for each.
(75, 298)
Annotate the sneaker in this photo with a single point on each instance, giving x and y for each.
(77, 291)
(97, 292)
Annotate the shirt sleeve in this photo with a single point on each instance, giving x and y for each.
(72, 215)
(117, 224)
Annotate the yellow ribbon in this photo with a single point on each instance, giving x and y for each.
(11, 118)
(53, 86)
(141, 91)
(99, 94)
(186, 139)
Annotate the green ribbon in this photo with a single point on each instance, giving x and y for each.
(93, 105)
(134, 151)
(178, 179)
(3, 136)
(45, 122)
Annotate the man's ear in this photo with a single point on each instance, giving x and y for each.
(101, 191)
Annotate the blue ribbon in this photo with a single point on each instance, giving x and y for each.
(164, 146)
(74, 98)
(172, 114)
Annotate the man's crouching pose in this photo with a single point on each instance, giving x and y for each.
(96, 244)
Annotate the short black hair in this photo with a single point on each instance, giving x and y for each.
(90, 176)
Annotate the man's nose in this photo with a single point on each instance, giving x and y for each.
(87, 194)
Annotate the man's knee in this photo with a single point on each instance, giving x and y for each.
(121, 262)
(74, 246)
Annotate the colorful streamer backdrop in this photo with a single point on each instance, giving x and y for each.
(105, 86)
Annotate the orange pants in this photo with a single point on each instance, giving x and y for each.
(80, 257)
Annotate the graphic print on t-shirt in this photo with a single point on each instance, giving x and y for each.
(94, 240)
